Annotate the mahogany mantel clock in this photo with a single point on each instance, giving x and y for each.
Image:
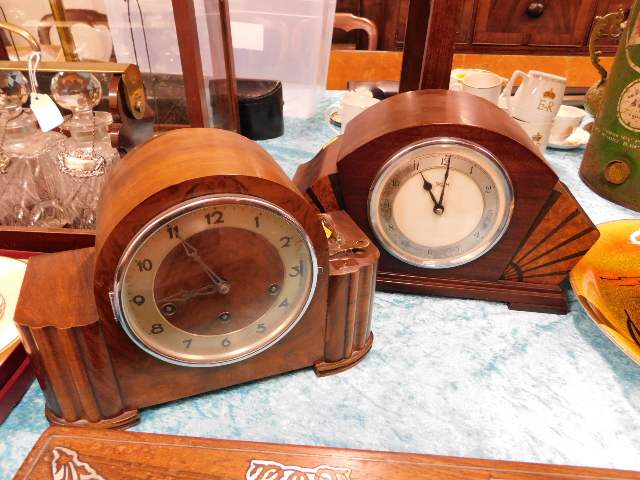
(210, 269)
(457, 197)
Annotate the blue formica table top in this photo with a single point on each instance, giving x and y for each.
(445, 376)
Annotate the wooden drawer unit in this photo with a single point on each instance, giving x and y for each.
(533, 22)
(556, 27)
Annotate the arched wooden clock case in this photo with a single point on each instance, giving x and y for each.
(91, 371)
(547, 231)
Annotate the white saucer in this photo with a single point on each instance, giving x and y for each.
(11, 276)
(579, 137)
(566, 146)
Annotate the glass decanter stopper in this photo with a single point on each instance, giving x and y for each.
(26, 165)
(87, 155)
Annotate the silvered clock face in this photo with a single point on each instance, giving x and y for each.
(215, 280)
(440, 203)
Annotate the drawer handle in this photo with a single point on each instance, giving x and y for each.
(535, 9)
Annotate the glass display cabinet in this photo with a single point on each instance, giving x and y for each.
(151, 65)
(182, 49)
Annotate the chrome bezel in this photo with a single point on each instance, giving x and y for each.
(376, 187)
(174, 213)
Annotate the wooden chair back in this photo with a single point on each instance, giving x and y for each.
(348, 22)
(74, 15)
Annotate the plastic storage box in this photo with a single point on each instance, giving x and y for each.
(286, 40)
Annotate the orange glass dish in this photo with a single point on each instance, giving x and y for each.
(607, 284)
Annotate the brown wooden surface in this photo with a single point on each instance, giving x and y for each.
(348, 65)
(110, 455)
(90, 371)
(382, 130)
(429, 43)
(44, 240)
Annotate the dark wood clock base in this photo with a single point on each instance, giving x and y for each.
(324, 369)
(122, 421)
(519, 295)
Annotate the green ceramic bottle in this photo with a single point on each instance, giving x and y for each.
(611, 163)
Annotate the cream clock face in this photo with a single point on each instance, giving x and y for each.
(440, 203)
(215, 280)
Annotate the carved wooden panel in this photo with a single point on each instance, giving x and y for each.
(559, 238)
(66, 453)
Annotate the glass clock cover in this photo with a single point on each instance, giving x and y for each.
(215, 280)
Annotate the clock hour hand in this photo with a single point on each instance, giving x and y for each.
(437, 208)
(222, 285)
(185, 295)
(444, 186)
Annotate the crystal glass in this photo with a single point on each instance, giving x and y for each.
(27, 171)
(87, 155)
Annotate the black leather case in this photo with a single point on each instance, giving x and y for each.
(260, 104)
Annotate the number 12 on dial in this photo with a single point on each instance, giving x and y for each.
(215, 280)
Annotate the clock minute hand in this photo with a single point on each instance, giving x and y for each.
(444, 184)
(222, 285)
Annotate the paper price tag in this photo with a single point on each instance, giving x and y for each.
(46, 111)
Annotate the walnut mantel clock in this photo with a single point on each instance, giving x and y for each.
(209, 269)
(457, 197)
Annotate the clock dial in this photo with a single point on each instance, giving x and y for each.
(215, 280)
(440, 203)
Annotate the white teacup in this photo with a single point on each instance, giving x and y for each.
(351, 104)
(538, 132)
(538, 98)
(487, 85)
(568, 119)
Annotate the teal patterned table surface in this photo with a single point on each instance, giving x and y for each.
(445, 376)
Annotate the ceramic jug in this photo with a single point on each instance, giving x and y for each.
(611, 163)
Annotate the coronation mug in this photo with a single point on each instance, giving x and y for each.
(538, 97)
(538, 132)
